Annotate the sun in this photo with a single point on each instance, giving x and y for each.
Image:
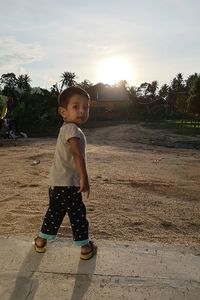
(113, 69)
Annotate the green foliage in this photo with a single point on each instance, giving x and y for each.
(190, 80)
(23, 84)
(163, 92)
(182, 102)
(68, 79)
(9, 83)
(86, 85)
(194, 99)
(37, 113)
(35, 110)
(177, 84)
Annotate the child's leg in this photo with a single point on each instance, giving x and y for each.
(54, 215)
(77, 215)
(79, 223)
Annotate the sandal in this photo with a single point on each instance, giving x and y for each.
(91, 253)
(40, 249)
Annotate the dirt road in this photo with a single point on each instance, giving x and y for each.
(144, 185)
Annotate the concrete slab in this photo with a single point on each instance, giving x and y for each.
(121, 270)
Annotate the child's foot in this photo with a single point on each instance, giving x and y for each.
(88, 251)
(40, 244)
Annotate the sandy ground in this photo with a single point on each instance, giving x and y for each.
(144, 185)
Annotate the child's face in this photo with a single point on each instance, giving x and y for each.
(77, 110)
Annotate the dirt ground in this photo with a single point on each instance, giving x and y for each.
(145, 185)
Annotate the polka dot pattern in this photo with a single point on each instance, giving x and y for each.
(62, 201)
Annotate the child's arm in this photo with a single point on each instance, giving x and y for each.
(80, 165)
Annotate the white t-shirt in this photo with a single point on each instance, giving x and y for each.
(63, 171)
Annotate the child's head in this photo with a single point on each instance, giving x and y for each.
(74, 105)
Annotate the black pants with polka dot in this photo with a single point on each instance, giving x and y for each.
(64, 200)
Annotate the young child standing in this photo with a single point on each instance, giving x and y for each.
(68, 175)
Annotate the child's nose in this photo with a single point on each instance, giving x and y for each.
(82, 110)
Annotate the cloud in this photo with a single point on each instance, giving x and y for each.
(14, 54)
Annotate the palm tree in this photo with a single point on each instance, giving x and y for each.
(178, 94)
(190, 80)
(23, 83)
(68, 79)
(178, 84)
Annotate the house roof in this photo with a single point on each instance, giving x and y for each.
(105, 92)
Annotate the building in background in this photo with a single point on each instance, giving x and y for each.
(108, 102)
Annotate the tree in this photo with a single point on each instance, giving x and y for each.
(194, 99)
(147, 91)
(68, 79)
(178, 84)
(177, 98)
(9, 82)
(189, 82)
(23, 83)
(122, 83)
(86, 84)
(132, 91)
(142, 90)
(55, 90)
(152, 88)
(163, 92)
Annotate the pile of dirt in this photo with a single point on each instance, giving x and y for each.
(141, 135)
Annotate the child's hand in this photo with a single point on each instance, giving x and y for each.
(84, 187)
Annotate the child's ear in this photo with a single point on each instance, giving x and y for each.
(60, 110)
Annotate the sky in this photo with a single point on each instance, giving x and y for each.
(101, 41)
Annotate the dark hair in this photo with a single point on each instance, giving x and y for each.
(64, 97)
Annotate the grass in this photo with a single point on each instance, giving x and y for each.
(176, 127)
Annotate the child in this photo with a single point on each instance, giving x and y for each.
(68, 175)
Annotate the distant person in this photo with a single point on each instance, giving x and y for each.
(68, 176)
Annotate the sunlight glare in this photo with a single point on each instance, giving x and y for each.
(114, 69)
